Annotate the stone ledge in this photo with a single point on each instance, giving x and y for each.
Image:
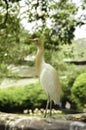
(15, 122)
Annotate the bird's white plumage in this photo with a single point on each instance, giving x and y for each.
(50, 82)
(48, 77)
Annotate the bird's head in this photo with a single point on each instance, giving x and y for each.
(38, 42)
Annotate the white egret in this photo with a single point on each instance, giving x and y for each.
(48, 77)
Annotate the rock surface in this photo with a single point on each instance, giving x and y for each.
(16, 122)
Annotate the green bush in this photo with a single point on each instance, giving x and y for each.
(68, 82)
(79, 92)
(16, 99)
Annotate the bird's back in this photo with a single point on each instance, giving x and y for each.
(50, 82)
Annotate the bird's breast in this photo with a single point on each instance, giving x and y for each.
(47, 78)
(50, 82)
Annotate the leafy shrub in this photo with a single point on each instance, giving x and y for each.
(79, 91)
(16, 99)
(67, 84)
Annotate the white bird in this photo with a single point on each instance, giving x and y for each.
(48, 77)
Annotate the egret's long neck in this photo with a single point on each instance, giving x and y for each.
(39, 59)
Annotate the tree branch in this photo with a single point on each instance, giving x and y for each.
(3, 25)
(7, 6)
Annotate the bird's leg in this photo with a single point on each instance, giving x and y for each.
(47, 106)
(51, 108)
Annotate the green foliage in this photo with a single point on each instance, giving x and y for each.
(16, 99)
(14, 1)
(79, 91)
(57, 24)
(67, 82)
(61, 16)
(12, 41)
(9, 33)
